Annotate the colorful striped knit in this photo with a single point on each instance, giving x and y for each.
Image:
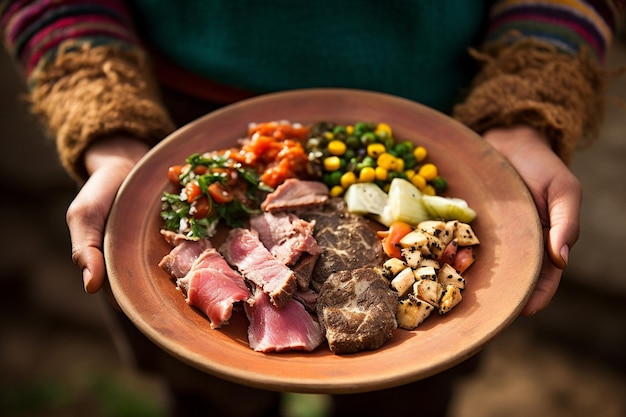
(567, 24)
(33, 30)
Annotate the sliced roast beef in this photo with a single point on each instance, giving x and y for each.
(357, 310)
(178, 261)
(304, 270)
(214, 287)
(273, 329)
(243, 250)
(285, 235)
(349, 241)
(294, 193)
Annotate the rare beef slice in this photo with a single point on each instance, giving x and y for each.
(357, 310)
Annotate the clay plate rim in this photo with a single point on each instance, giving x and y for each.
(499, 283)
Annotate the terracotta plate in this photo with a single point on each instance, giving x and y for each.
(498, 284)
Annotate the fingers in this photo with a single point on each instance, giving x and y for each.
(564, 202)
(86, 218)
(546, 288)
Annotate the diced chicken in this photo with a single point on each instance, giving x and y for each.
(429, 291)
(450, 299)
(415, 239)
(392, 267)
(411, 312)
(433, 227)
(465, 236)
(403, 282)
(426, 272)
(448, 235)
(412, 256)
(447, 275)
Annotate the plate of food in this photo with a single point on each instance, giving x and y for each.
(415, 243)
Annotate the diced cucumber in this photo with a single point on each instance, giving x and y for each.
(365, 198)
(448, 208)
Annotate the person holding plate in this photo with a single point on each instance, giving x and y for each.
(109, 79)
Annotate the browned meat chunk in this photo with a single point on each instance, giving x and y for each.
(349, 241)
(357, 310)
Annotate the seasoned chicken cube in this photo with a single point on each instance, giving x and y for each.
(426, 272)
(450, 299)
(429, 291)
(392, 267)
(415, 239)
(403, 281)
(411, 312)
(447, 275)
(465, 236)
(412, 256)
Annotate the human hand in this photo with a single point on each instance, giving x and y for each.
(108, 162)
(557, 194)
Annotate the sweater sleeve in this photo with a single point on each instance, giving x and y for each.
(86, 73)
(542, 65)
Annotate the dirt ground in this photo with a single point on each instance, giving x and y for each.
(57, 357)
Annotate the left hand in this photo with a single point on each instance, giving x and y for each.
(557, 194)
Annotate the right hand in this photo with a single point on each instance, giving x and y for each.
(108, 162)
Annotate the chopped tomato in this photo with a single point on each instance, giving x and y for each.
(463, 259)
(220, 194)
(280, 130)
(193, 191)
(392, 237)
(449, 253)
(173, 174)
(203, 208)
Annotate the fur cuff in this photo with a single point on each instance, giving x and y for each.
(530, 82)
(87, 92)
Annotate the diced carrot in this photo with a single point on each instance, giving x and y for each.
(392, 237)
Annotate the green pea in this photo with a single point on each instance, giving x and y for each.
(368, 138)
(439, 184)
(339, 130)
(335, 177)
(362, 127)
(409, 160)
(353, 142)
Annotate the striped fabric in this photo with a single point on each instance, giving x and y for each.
(567, 24)
(33, 30)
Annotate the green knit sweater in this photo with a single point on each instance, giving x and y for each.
(414, 49)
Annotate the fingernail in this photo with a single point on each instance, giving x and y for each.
(565, 254)
(86, 279)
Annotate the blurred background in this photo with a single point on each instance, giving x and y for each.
(57, 357)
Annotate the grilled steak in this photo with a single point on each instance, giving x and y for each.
(357, 310)
(349, 241)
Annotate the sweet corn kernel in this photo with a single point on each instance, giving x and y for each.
(336, 147)
(399, 165)
(409, 173)
(387, 161)
(336, 191)
(420, 153)
(367, 174)
(418, 181)
(429, 190)
(428, 171)
(383, 129)
(349, 129)
(332, 163)
(381, 173)
(329, 135)
(347, 179)
(375, 149)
